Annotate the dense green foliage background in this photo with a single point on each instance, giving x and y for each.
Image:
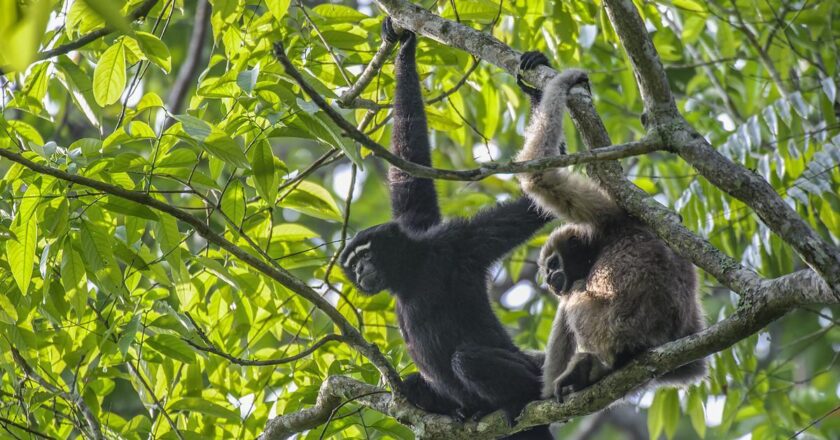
(100, 296)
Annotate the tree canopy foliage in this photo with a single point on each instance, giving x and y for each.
(120, 319)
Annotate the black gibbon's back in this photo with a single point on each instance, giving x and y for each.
(621, 289)
(437, 270)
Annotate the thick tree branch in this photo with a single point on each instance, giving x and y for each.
(484, 46)
(186, 74)
(730, 177)
(138, 13)
(650, 75)
(370, 351)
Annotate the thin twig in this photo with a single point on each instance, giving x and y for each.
(209, 347)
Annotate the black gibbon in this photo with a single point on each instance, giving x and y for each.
(438, 270)
(621, 289)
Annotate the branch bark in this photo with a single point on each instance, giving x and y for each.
(186, 74)
(350, 97)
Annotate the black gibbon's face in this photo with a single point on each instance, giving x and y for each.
(362, 260)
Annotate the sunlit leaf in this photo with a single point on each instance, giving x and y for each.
(154, 49)
(109, 75)
(20, 250)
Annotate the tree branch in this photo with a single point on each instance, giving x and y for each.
(195, 49)
(138, 13)
(349, 97)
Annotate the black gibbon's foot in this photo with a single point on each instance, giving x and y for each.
(530, 60)
(389, 33)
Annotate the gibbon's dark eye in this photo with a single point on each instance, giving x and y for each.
(553, 263)
(365, 256)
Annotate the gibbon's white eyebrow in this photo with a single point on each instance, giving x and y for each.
(353, 254)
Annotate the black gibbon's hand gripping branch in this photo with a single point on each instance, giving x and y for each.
(621, 289)
(437, 271)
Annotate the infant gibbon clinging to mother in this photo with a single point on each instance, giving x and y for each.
(621, 289)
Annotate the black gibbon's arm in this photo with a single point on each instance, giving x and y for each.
(413, 200)
(572, 197)
(493, 232)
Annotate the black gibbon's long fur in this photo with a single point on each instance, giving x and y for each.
(621, 289)
(438, 270)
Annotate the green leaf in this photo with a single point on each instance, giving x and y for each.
(109, 75)
(339, 13)
(247, 79)
(73, 279)
(697, 412)
(154, 49)
(278, 8)
(21, 29)
(671, 411)
(172, 347)
(150, 100)
(127, 337)
(194, 127)
(262, 164)
(215, 142)
(180, 157)
(110, 12)
(655, 419)
(190, 404)
(233, 202)
(98, 255)
(127, 207)
(312, 199)
(228, 150)
(292, 232)
(169, 238)
(20, 251)
(29, 202)
(8, 314)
